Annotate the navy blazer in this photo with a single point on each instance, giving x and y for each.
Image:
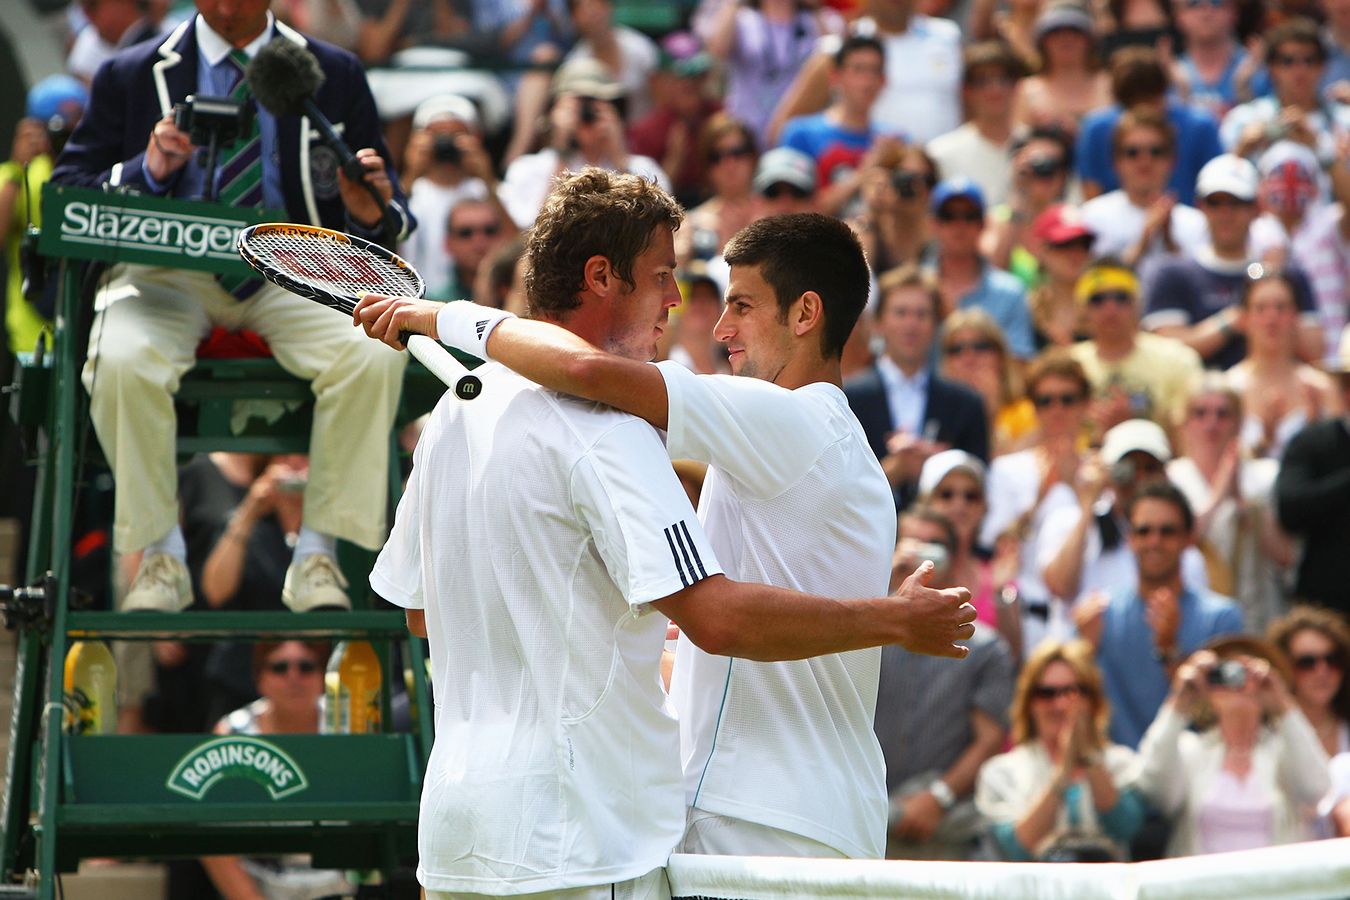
(957, 410)
(139, 86)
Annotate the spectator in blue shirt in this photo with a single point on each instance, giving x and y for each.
(1142, 634)
(1139, 79)
(964, 276)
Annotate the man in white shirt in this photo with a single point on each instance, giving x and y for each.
(597, 793)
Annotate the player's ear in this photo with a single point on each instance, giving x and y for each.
(808, 313)
(597, 275)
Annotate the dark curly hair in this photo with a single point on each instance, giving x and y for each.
(589, 213)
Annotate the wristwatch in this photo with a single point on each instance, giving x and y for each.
(942, 793)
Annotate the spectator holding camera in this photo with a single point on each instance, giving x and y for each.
(444, 164)
(1064, 778)
(1244, 776)
(1295, 109)
(1142, 632)
(585, 128)
(893, 224)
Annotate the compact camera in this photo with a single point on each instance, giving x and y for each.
(221, 118)
(445, 150)
(1228, 674)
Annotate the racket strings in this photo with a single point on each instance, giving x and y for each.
(333, 266)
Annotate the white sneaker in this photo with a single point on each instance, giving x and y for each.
(315, 582)
(162, 585)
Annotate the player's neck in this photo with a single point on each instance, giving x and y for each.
(801, 372)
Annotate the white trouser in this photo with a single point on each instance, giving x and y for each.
(715, 835)
(147, 325)
(652, 886)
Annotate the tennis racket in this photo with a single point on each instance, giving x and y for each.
(335, 269)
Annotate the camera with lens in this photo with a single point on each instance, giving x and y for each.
(445, 150)
(1230, 674)
(1044, 166)
(589, 112)
(906, 184)
(204, 118)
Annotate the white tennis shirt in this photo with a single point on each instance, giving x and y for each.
(534, 530)
(794, 497)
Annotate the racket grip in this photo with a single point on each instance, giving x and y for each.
(436, 358)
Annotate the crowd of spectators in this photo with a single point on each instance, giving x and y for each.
(1105, 365)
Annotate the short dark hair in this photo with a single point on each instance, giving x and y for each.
(802, 252)
(1167, 492)
(1262, 275)
(1298, 30)
(593, 212)
(1137, 75)
(909, 275)
(995, 54)
(856, 42)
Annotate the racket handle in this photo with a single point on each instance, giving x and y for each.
(436, 358)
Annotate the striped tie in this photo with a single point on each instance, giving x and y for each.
(239, 180)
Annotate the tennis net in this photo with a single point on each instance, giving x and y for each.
(1313, 871)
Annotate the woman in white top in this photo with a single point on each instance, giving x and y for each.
(1246, 551)
(1252, 773)
(1280, 392)
(1062, 780)
(1317, 642)
(1024, 488)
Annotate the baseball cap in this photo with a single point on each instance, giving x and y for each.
(940, 465)
(446, 107)
(1135, 435)
(1060, 223)
(1062, 16)
(952, 188)
(586, 77)
(48, 96)
(785, 164)
(1228, 174)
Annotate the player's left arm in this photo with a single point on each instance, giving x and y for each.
(540, 351)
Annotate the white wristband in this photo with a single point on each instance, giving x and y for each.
(464, 325)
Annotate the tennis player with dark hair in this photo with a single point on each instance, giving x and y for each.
(538, 530)
(794, 498)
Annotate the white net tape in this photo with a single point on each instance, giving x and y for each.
(1313, 871)
(331, 264)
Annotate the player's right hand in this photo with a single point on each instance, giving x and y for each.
(934, 620)
(168, 149)
(386, 318)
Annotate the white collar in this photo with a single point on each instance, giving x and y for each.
(895, 377)
(215, 48)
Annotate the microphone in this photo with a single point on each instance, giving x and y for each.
(284, 76)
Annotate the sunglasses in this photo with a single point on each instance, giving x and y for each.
(282, 666)
(970, 346)
(953, 494)
(1045, 401)
(1210, 412)
(1285, 59)
(1119, 297)
(742, 152)
(970, 216)
(1197, 4)
(1052, 692)
(1153, 151)
(467, 231)
(782, 188)
(1167, 531)
(1045, 167)
(1306, 662)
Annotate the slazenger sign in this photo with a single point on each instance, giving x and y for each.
(173, 234)
(236, 757)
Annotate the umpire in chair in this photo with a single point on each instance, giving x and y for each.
(148, 321)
